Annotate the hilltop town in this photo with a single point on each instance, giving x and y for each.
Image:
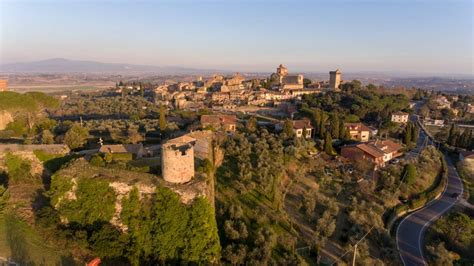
(228, 169)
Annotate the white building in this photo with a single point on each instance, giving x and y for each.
(400, 117)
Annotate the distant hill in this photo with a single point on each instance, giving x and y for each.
(61, 65)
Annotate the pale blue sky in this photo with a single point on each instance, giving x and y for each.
(398, 35)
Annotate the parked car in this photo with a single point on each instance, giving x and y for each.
(394, 161)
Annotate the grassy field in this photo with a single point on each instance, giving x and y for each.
(24, 245)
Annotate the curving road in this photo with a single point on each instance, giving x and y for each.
(411, 230)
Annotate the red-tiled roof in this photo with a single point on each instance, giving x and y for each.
(371, 150)
(300, 124)
(357, 127)
(388, 146)
(399, 113)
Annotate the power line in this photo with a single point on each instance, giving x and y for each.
(371, 228)
(357, 243)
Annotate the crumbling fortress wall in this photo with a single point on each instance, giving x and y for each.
(177, 160)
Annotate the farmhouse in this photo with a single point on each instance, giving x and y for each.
(377, 152)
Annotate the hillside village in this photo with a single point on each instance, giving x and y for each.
(224, 169)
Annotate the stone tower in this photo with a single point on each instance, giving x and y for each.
(177, 160)
(282, 71)
(335, 79)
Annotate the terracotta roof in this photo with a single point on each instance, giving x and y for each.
(357, 127)
(121, 148)
(371, 150)
(378, 148)
(400, 113)
(467, 154)
(218, 119)
(388, 146)
(300, 124)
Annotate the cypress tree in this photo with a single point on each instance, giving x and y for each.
(335, 127)
(162, 119)
(453, 134)
(288, 128)
(410, 172)
(415, 133)
(343, 132)
(317, 121)
(322, 124)
(328, 144)
(407, 138)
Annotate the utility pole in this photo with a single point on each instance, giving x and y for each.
(354, 257)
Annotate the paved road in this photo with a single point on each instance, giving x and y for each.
(410, 232)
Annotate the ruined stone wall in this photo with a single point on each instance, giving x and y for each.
(48, 148)
(177, 163)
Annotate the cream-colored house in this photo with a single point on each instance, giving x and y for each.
(358, 131)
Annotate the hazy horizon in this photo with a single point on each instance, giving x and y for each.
(432, 37)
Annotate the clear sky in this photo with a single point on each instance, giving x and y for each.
(396, 35)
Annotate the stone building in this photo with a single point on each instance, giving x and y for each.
(233, 83)
(399, 117)
(335, 79)
(283, 81)
(177, 159)
(136, 150)
(224, 122)
(203, 147)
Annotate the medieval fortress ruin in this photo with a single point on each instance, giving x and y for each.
(177, 159)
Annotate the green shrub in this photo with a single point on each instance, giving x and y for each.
(417, 203)
(97, 160)
(95, 202)
(122, 156)
(18, 168)
(17, 127)
(169, 229)
(59, 186)
(410, 174)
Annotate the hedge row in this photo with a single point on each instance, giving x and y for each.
(423, 198)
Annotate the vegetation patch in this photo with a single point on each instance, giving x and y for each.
(26, 246)
(451, 239)
(466, 171)
(93, 200)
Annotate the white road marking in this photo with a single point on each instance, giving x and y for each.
(427, 223)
